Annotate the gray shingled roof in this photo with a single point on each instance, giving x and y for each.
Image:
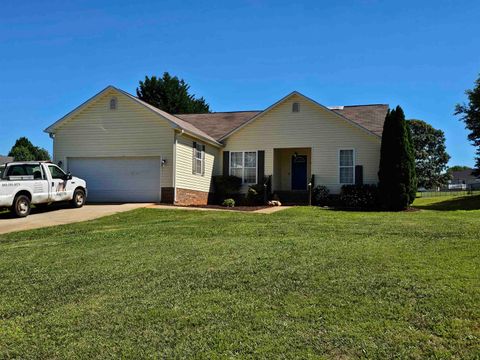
(218, 124)
(370, 117)
(5, 159)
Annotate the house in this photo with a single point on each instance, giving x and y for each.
(5, 159)
(130, 151)
(464, 179)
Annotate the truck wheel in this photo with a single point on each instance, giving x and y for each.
(21, 206)
(78, 198)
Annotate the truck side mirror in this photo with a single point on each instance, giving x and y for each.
(68, 176)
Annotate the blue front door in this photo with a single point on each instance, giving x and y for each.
(299, 172)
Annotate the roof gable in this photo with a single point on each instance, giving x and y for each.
(172, 120)
(339, 113)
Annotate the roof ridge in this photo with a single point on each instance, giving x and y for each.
(245, 111)
(222, 112)
(358, 105)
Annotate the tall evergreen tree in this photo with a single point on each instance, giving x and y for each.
(171, 94)
(397, 179)
(470, 115)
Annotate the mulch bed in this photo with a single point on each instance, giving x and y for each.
(236, 208)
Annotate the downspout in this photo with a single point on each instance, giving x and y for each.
(175, 142)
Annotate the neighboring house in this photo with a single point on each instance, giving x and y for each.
(128, 150)
(5, 159)
(464, 179)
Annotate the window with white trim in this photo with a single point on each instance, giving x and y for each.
(198, 159)
(243, 164)
(347, 166)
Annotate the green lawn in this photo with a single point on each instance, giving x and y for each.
(449, 203)
(301, 283)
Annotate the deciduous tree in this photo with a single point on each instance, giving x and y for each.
(470, 115)
(431, 156)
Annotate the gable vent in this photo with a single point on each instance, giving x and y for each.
(295, 107)
(113, 103)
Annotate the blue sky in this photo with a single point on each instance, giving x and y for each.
(240, 55)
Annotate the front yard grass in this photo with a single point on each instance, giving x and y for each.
(448, 203)
(301, 283)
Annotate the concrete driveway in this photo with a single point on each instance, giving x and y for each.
(61, 214)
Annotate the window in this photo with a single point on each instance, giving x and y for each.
(56, 172)
(2, 169)
(347, 166)
(243, 164)
(198, 159)
(113, 103)
(295, 107)
(16, 170)
(34, 170)
(27, 171)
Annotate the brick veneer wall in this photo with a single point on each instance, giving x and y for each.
(191, 197)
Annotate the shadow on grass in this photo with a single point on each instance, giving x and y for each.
(458, 203)
(6, 214)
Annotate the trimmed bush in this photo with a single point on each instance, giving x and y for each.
(226, 187)
(321, 195)
(228, 203)
(360, 197)
(256, 193)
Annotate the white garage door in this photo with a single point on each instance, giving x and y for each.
(122, 179)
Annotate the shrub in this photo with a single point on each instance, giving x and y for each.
(252, 195)
(256, 193)
(226, 186)
(228, 203)
(361, 197)
(320, 195)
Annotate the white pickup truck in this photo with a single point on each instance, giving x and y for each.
(39, 183)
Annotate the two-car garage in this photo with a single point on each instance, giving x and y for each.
(119, 179)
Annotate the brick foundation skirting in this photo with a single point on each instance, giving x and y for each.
(191, 197)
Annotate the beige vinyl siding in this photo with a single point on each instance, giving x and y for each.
(130, 130)
(184, 177)
(312, 127)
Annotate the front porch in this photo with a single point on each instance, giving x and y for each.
(292, 173)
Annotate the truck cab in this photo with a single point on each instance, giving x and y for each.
(39, 183)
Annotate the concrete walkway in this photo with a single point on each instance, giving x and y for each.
(268, 210)
(56, 215)
(60, 215)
